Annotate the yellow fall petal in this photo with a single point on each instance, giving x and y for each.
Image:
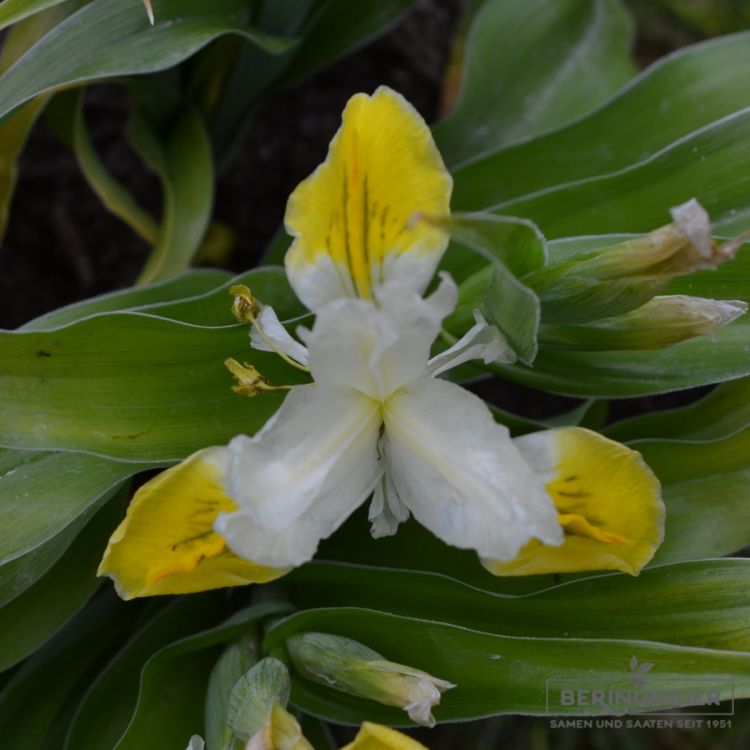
(608, 502)
(353, 218)
(166, 543)
(378, 737)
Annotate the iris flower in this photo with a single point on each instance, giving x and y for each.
(378, 419)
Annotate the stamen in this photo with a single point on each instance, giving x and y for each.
(249, 381)
(246, 309)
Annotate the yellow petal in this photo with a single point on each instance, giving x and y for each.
(166, 543)
(608, 502)
(378, 737)
(352, 219)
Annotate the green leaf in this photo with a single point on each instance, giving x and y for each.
(185, 286)
(339, 27)
(13, 11)
(700, 604)
(112, 193)
(237, 658)
(679, 95)
(699, 361)
(35, 616)
(706, 488)
(495, 674)
(113, 38)
(130, 386)
(185, 167)
(20, 573)
(721, 413)
(534, 66)
(42, 493)
(710, 164)
(29, 715)
(268, 284)
(108, 705)
(513, 248)
(159, 678)
(15, 129)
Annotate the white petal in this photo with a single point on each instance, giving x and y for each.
(378, 346)
(386, 509)
(297, 480)
(460, 474)
(278, 335)
(693, 221)
(481, 341)
(196, 743)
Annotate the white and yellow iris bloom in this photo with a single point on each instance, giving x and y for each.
(377, 418)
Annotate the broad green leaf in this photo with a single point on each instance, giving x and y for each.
(116, 198)
(19, 574)
(13, 11)
(236, 659)
(173, 683)
(109, 703)
(28, 713)
(709, 164)
(110, 38)
(680, 94)
(495, 674)
(700, 604)
(513, 248)
(699, 361)
(42, 493)
(706, 488)
(268, 283)
(534, 66)
(187, 285)
(722, 412)
(35, 616)
(15, 130)
(187, 185)
(130, 386)
(338, 27)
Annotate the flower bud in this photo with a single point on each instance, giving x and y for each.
(253, 697)
(281, 732)
(661, 322)
(613, 280)
(344, 664)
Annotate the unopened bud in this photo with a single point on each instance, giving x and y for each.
(661, 322)
(281, 732)
(353, 668)
(253, 697)
(245, 307)
(620, 278)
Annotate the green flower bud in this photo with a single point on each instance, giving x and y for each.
(614, 280)
(344, 664)
(661, 322)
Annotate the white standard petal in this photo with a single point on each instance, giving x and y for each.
(460, 474)
(297, 480)
(275, 332)
(378, 346)
(482, 341)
